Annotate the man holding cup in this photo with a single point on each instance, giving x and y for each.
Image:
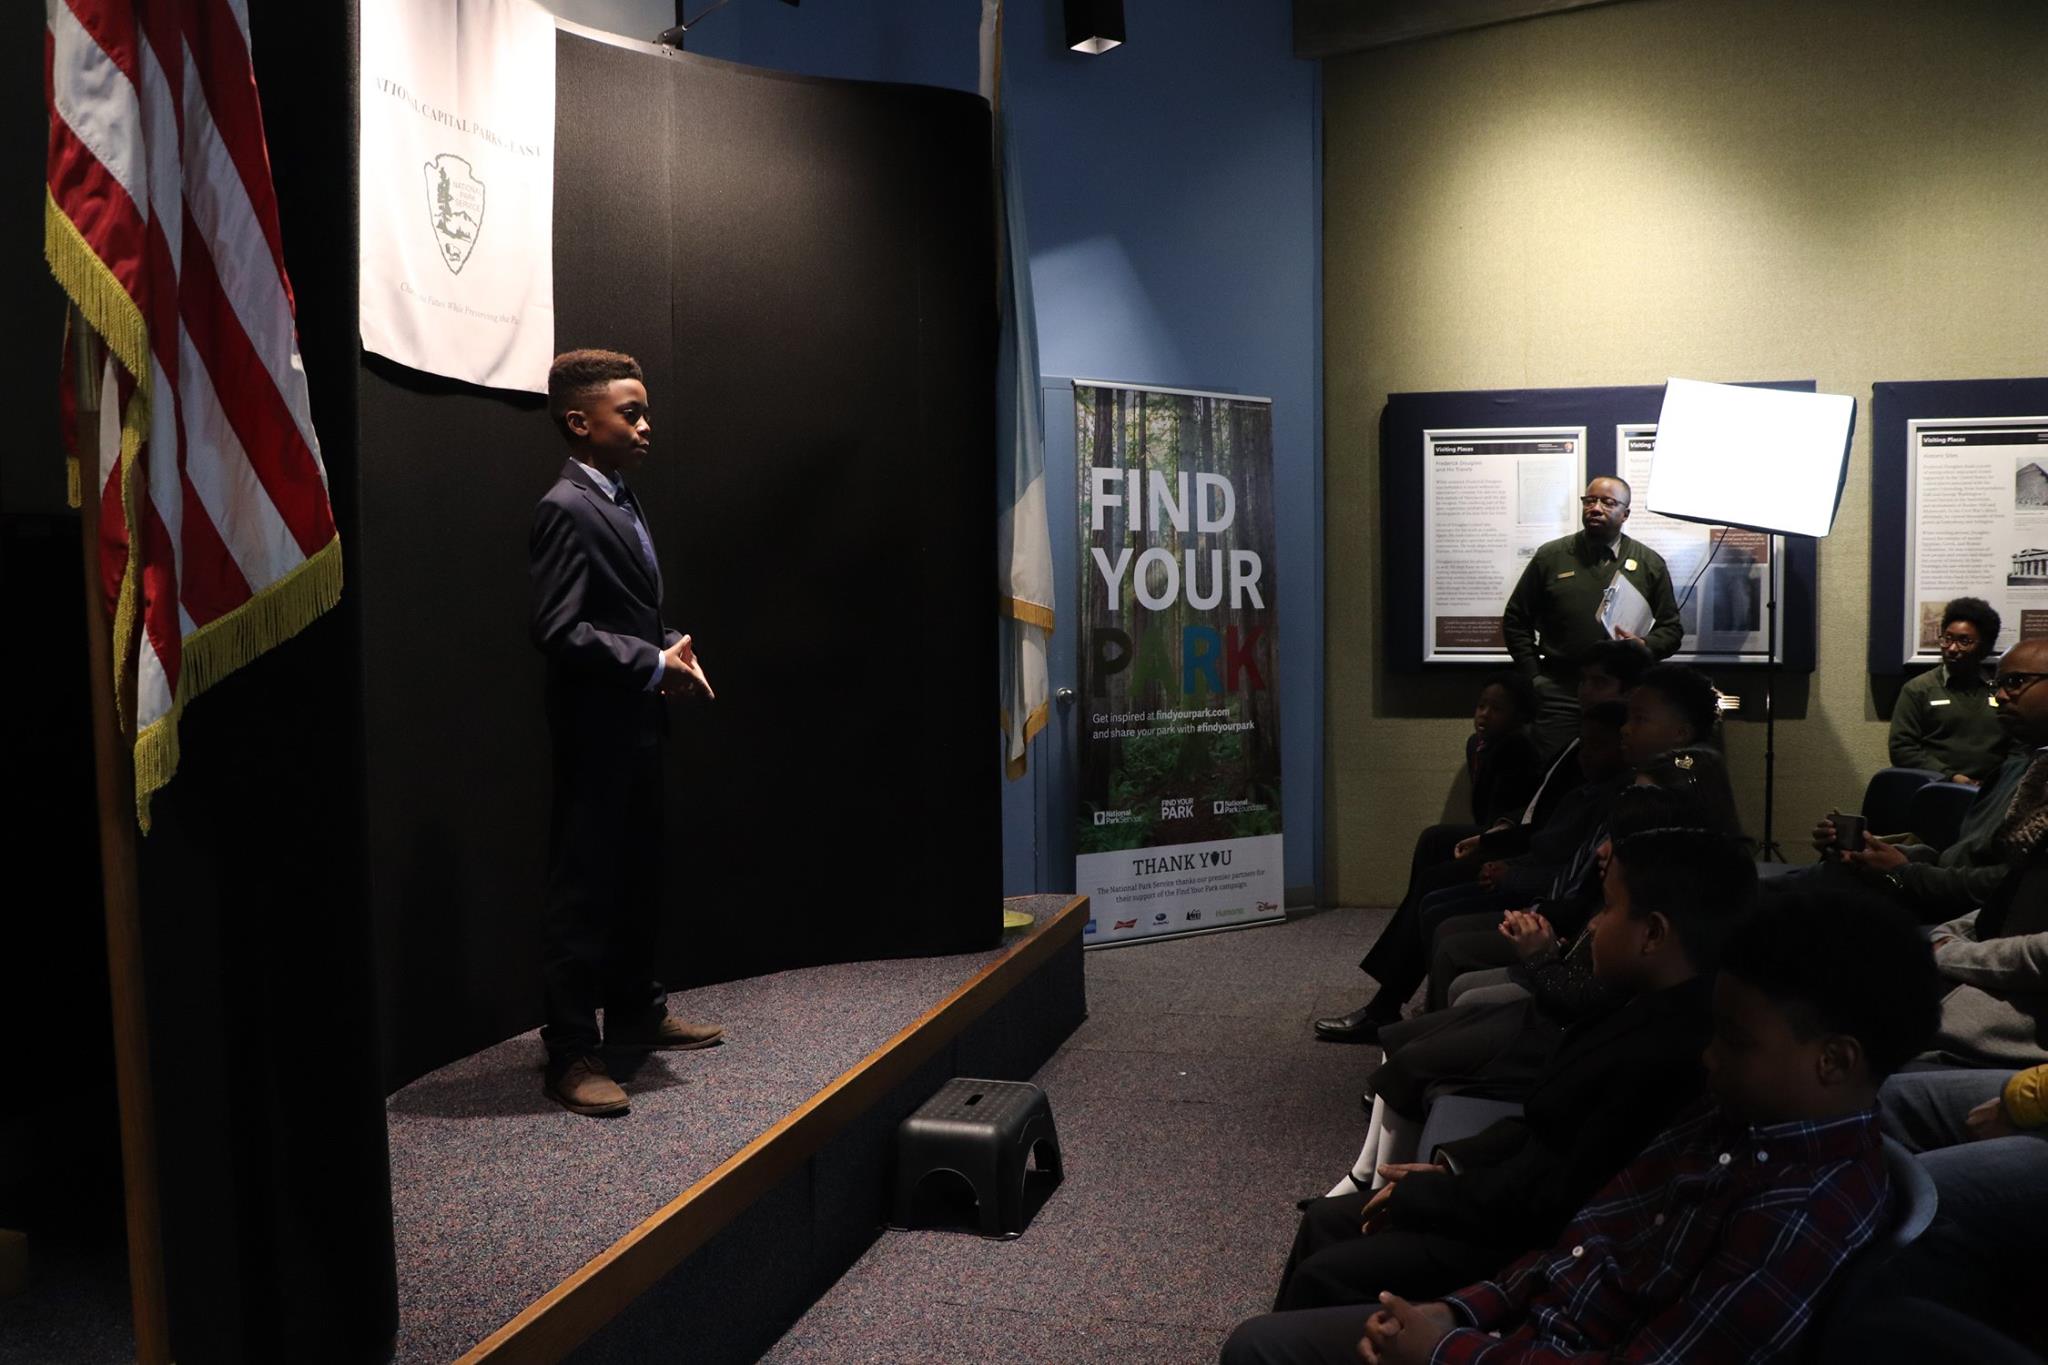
(1937, 887)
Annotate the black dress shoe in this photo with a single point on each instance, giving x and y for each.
(1359, 1026)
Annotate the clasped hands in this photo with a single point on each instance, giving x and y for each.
(1399, 1332)
(681, 674)
(1404, 1333)
(1530, 932)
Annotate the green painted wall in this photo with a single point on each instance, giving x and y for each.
(1842, 190)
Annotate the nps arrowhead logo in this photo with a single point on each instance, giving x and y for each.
(455, 208)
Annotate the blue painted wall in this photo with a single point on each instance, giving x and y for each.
(1173, 200)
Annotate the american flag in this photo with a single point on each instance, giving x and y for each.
(161, 224)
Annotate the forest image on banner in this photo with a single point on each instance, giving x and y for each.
(1180, 743)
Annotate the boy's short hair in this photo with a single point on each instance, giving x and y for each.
(1690, 692)
(1622, 660)
(1518, 687)
(1840, 960)
(1977, 612)
(576, 374)
(1702, 881)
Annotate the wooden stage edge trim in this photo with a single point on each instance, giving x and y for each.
(567, 1315)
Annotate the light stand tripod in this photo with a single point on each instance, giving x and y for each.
(1768, 850)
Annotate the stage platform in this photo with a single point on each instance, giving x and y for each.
(745, 1180)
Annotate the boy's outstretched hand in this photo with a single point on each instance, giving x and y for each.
(1404, 1333)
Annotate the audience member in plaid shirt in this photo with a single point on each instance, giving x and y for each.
(1716, 1243)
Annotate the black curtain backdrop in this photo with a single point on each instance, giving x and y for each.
(805, 270)
(60, 1167)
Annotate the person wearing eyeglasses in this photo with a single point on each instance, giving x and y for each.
(1967, 873)
(1552, 617)
(1946, 719)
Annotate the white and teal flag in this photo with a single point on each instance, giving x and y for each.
(457, 151)
(1023, 539)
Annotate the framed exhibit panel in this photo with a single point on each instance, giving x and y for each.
(1959, 507)
(1490, 496)
(1471, 483)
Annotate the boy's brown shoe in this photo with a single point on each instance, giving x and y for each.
(584, 1087)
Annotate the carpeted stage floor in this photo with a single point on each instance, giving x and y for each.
(1194, 1108)
(474, 1251)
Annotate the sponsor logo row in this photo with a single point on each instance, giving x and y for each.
(1178, 808)
(1162, 918)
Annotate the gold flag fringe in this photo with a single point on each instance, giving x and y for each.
(112, 313)
(1030, 613)
(134, 427)
(107, 306)
(221, 646)
(71, 477)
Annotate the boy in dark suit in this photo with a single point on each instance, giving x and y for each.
(611, 662)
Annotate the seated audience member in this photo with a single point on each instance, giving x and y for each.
(1497, 1048)
(1449, 854)
(1995, 960)
(1938, 886)
(1671, 702)
(1607, 673)
(1945, 720)
(1928, 1110)
(1671, 895)
(1717, 1243)
(1980, 1136)
(1677, 711)
(1604, 764)
(1498, 756)
(1471, 944)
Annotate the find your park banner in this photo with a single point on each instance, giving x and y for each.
(1180, 739)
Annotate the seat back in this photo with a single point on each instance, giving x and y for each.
(1888, 795)
(1935, 812)
(1913, 1205)
(1914, 1199)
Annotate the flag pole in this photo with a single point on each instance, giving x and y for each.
(113, 720)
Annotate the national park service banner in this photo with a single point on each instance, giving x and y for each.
(457, 178)
(1180, 738)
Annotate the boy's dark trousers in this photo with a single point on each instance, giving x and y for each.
(602, 914)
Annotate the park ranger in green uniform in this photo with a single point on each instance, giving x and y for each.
(1946, 720)
(1553, 615)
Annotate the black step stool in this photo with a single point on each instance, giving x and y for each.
(984, 1132)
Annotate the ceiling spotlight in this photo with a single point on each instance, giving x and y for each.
(1095, 26)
